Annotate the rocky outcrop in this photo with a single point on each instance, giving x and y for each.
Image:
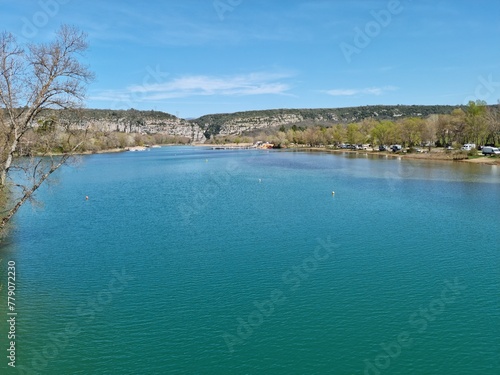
(175, 127)
(199, 130)
(132, 121)
(241, 122)
(238, 126)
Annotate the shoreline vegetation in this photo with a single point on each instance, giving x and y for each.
(436, 154)
(423, 136)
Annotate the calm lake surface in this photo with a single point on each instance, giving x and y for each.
(194, 261)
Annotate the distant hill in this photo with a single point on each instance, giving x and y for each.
(241, 122)
(205, 127)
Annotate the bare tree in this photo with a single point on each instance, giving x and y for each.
(35, 80)
(429, 131)
(458, 125)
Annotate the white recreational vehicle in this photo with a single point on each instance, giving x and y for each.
(468, 146)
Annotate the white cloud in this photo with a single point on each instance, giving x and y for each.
(365, 91)
(200, 85)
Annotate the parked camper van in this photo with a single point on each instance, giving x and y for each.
(487, 150)
(468, 146)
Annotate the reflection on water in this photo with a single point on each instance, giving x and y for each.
(386, 166)
(209, 235)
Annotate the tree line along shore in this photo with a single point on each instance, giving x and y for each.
(477, 123)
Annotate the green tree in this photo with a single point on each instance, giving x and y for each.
(313, 136)
(353, 134)
(366, 127)
(397, 133)
(412, 130)
(382, 132)
(444, 130)
(338, 134)
(475, 120)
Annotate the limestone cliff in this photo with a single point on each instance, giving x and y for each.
(132, 121)
(201, 129)
(241, 122)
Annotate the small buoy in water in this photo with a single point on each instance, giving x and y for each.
(333, 193)
(86, 197)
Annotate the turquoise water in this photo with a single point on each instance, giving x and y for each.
(193, 261)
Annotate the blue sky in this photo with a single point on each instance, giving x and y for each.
(191, 58)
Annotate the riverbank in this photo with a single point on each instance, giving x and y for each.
(116, 150)
(227, 145)
(434, 155)
(110, 151)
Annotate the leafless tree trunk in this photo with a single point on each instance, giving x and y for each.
(34, 80)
